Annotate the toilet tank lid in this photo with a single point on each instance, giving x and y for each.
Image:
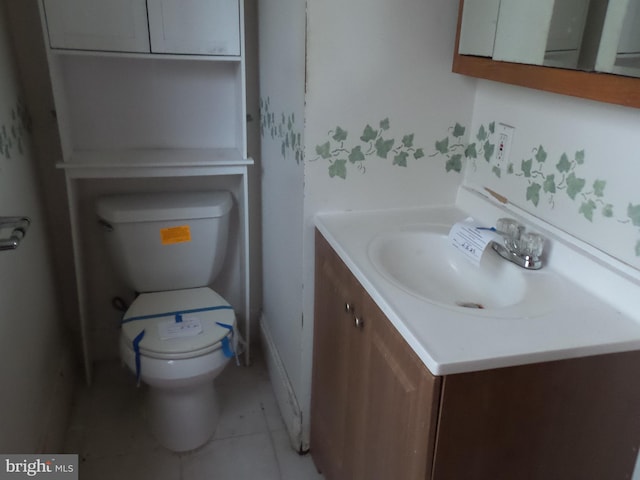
(149, 207)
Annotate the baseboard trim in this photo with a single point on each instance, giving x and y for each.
(283, 390)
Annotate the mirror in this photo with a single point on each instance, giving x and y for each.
(545, 32)
(597, 36)
(587, 35)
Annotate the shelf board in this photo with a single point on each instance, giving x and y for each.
(145, 55)
(188, 161)
(151, 157)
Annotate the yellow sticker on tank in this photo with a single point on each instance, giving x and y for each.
(172, 235)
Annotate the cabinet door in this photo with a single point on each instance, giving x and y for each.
(569, 419)
(373, 403)
(114, 25)
(206, 27)
(336, 366)
(400, 404)
(478, 32)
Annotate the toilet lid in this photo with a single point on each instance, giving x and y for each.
(198, 332)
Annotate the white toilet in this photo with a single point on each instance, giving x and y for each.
(178, 334)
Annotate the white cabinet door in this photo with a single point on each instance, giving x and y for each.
(630, 35)
(113, 25)
(204, 27)
(478, 33)
(567, 25)
(522, 31)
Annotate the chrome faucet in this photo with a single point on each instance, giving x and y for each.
(520, 247)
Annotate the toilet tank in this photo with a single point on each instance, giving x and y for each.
(166, 241)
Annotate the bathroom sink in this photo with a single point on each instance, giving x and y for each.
(421, 261)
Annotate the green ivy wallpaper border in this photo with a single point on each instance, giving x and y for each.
(547, 178)
(379, 143)
(281, 127)
(14, 132)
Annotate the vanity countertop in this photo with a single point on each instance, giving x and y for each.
(451, 340)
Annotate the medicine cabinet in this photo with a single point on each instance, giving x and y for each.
(523, 43)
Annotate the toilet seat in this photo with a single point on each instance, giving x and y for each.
(201, 306)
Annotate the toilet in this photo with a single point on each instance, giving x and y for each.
(178, 334)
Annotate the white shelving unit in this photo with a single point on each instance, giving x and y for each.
(141, 99)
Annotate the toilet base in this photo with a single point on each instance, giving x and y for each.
(185, 418)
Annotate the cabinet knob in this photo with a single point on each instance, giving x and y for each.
(359, 322)
(349, 308)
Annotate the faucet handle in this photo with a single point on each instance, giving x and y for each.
(531, 244)
(520, 247)
(510, 229)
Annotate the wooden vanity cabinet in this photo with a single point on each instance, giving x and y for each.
(337, 364)
(373, 402)
(576, 419)
(400, 404)
(378, 413)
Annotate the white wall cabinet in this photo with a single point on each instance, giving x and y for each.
(119, 99)
(196, 27)
(206, 27)
(114, 25)
(164, 115)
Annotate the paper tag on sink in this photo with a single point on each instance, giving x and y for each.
(471, 239)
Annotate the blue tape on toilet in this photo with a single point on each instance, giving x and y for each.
(179, 312)
(136, 350)
(226, 346)
(227, 349)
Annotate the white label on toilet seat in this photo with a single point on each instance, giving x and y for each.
(190, 326)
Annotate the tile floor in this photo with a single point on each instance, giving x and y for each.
(108, 432)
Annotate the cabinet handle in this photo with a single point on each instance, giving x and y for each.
(349, 308)
(359, 322)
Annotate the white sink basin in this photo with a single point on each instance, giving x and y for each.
(405, 263)
(421, 261)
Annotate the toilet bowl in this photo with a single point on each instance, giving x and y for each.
(179, 363)
(179, 334)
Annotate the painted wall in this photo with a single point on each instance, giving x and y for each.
(34, 365)
(380, 94)
(379, 97)
(23, 20)
(282, 84)
(573, 163)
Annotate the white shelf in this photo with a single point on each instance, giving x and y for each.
(116, 102)
(145, 56)
(153, 162)
(138, 121)
(160, 157)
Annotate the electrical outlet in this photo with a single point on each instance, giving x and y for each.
(504, 135)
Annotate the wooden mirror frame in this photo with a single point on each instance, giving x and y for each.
(602, 87)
